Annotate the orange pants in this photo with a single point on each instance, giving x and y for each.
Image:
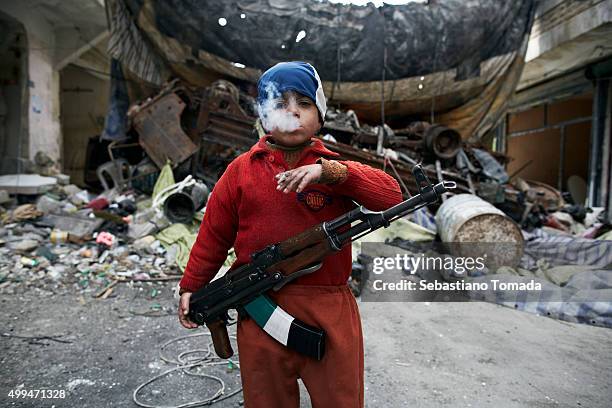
(270, 370)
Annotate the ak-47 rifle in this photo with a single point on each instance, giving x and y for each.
(277, 264)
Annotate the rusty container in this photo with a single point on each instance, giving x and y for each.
(476, 228)
(469, 218)
(441, 141)
(180, 207)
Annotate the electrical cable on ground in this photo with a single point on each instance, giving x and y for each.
(186, 364)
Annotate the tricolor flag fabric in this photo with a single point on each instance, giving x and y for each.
(285, 328)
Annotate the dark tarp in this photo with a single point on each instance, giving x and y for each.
(115, 124)
(440, 55)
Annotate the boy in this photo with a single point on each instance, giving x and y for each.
(283, 185)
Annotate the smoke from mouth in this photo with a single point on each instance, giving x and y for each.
(273, 113)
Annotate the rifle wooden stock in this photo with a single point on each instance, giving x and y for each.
(220, 338)
(303, 240)
(302, 250)
(278, 264)
(303, 259)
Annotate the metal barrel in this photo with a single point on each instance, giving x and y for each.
(474, 228)
(181, 206)
(468, 218)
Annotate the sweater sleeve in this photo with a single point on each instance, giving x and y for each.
(216, 235)
(370, 187)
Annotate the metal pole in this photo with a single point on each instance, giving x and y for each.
(382, 133)
(607, 156)
(561, 173)
(600, 105)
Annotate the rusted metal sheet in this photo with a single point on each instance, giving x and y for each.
(229, 130)
(158, 124)
(222, 120)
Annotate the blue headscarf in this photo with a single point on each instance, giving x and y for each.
(292, 76)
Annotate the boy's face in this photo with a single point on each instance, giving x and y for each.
(305, 111)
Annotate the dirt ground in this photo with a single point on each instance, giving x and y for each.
(417, 354)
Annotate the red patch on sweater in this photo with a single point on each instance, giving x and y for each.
(314, 199)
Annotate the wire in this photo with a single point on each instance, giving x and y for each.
(388, 160)
(338, 55)
(383, 76)
(186, 365)
(435, 66)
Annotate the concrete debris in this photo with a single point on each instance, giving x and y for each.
(30, 184)
(62, 179)
(70, 189)
(46, 204)
(144, 242)
(25, 245)
(61, 244)
(4, 197)
(157, 222)
(79, 198)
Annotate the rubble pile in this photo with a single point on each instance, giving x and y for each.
(226, 122)
(67, 238)
(141, 223)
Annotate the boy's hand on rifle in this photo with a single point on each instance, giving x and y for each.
(298, 178)
(183, 309)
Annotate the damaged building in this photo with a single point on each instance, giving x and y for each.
(560, 94)
(101, 98)
(118, 118)
(102, 95)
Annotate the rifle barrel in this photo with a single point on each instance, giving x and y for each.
(375, 220)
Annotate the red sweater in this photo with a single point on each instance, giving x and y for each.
(246, 211)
